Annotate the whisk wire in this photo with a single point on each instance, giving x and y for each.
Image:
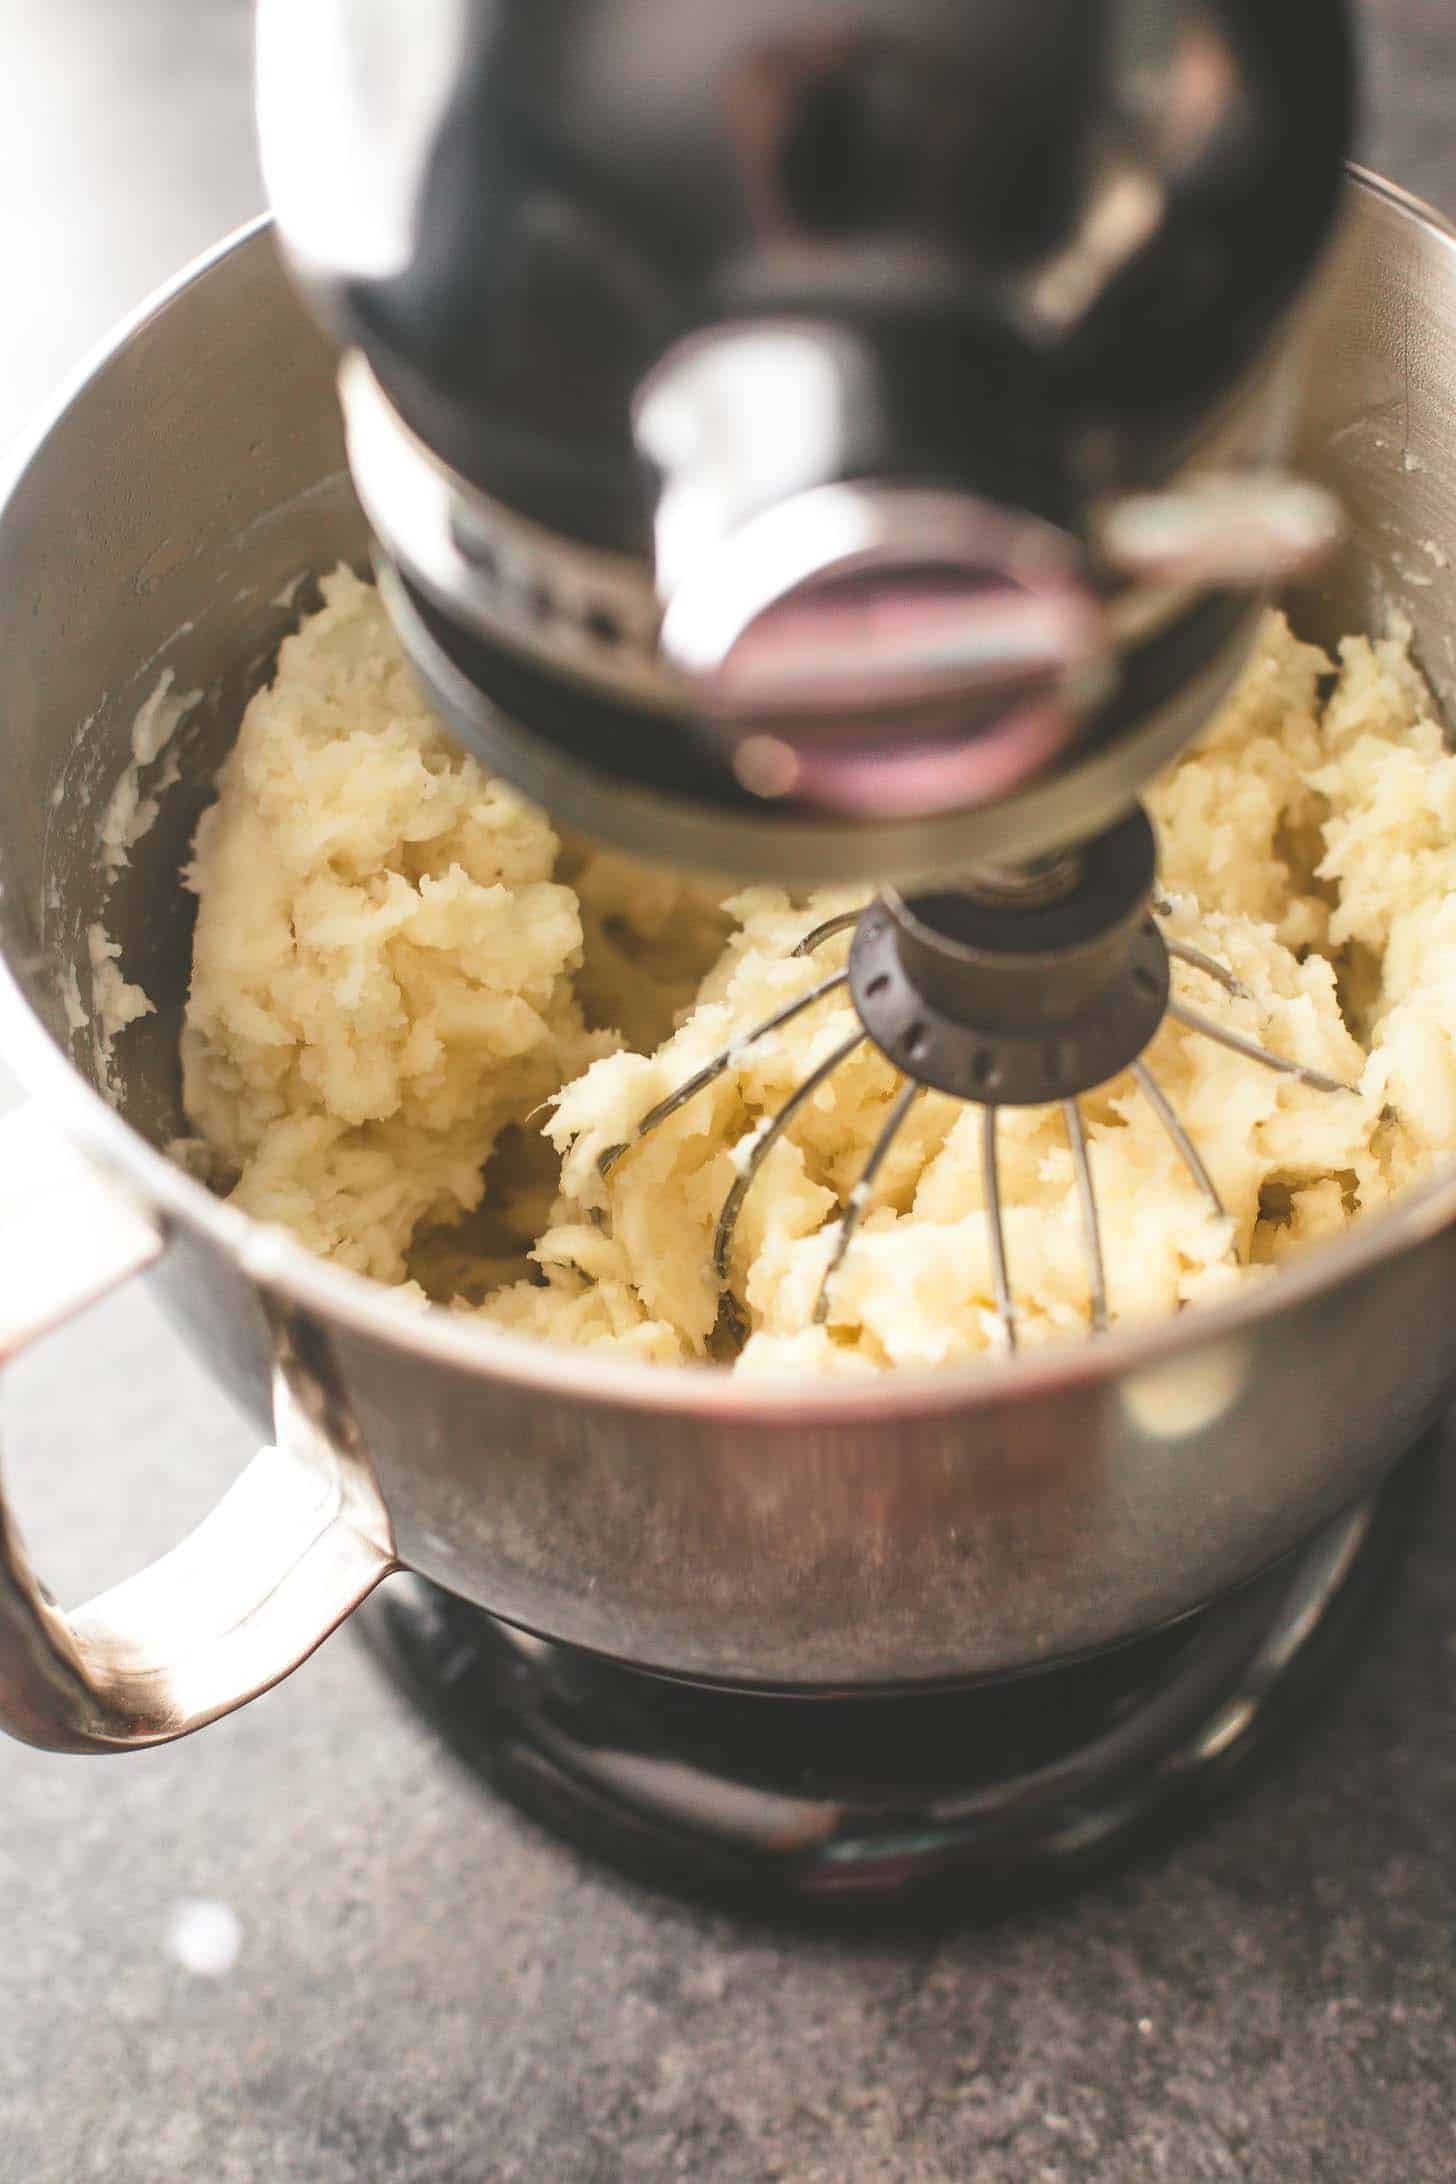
(1091, 1226)
(1005, 1306)
(713, 1069)
(767, 1137)
(1251, 1050)
(839, 923)
(1167, 1115)
(860, 1196)
(1183, 951)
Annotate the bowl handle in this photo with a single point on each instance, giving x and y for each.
(297, 1541)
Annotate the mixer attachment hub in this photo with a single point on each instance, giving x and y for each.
(1019, 1003)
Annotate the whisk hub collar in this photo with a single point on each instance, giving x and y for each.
(1019, 1005)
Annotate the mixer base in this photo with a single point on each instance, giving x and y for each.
(979, 1795)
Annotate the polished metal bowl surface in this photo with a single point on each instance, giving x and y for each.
(977, 1521)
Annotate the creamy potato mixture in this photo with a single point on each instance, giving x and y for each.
(418, 1018)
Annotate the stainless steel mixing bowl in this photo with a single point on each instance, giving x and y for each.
(814, 1537)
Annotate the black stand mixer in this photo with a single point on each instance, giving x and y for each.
(841, 441)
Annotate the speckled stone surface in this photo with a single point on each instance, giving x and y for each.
(425, 1990)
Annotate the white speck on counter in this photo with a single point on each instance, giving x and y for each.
(204, 1936)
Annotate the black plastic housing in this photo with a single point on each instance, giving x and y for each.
(606, 176)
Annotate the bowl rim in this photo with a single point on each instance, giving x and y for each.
(439, 1334)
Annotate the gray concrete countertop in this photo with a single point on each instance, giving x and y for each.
(417, 1986)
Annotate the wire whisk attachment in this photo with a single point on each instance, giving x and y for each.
(982, 1057)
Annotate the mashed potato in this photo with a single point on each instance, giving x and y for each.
(402, 978)
(386, 964)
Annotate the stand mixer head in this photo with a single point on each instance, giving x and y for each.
(837, 444)
(807, 424)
